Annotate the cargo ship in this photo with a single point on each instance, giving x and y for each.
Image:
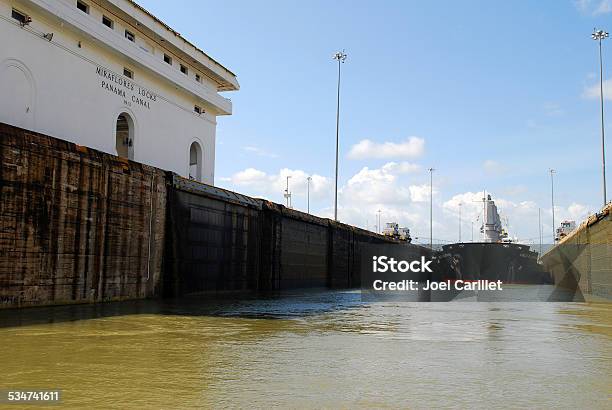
(494, 258)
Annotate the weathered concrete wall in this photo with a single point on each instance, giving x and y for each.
(304, 260)
(220, 241)
(213, 241)
(582, 261)
(81, 226)
(76, 225)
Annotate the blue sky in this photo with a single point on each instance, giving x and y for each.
(493, 94)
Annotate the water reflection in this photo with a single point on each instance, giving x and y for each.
(314, 349)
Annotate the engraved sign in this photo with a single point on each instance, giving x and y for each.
(132, 94)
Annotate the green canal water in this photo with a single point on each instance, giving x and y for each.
(313, 350)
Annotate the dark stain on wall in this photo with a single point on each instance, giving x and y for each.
(74, 223)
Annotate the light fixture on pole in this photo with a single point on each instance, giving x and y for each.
(472, 231)
(341, 57)
(460, 221)
(540, 227)
(599, 35)
(287, 193)
(552, 201)
(308, 192)
(431, 170)
(379, 221)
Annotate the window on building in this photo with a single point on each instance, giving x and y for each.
(184, 69)
(167, 59)
(22, 18)
(198, 109)
(107, 22)
(130, 36)
(83, 7)
(198, 78)
(124, 136)
(195, 162)
(128, 73)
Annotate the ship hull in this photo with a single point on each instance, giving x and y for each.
(507, 262)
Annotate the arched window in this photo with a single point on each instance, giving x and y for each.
(124, 136)
(195, 161)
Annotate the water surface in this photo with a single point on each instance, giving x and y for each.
(313, 349)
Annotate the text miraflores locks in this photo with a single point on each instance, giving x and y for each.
(121, 86)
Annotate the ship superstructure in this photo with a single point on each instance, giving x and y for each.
(496, 257)
(393, 230)
(491, 228)
(565, 229)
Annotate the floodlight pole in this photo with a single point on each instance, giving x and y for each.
(341, 57)
(287, 194)
(308, 192)
(431, 170)
(540, 228)
(599, 35)
(552, 200)
(460, 222)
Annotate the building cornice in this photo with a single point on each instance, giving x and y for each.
(112, 40)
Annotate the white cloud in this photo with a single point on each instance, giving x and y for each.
(403, 197)
(593, 91)
(260, 184)
(604, 7)
(577, 212)
(249, 176)
(375, 186)
(420, 193)
(582, 5)
(401, 168)
(412, 147)
(594, 7)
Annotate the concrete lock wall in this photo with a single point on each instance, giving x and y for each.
(583, 260)
(76, 225)
(81, 226)
(212, 243)
(219, 241)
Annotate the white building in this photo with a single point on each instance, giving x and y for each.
(109, 75)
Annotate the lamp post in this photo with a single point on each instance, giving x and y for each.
(341, 57)
(540, 228)
(287, 193)
(379, 227)
(472, 231)
(460, 221)
(431, 170)
(599, 35)
(308, 192)
(552, 200)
